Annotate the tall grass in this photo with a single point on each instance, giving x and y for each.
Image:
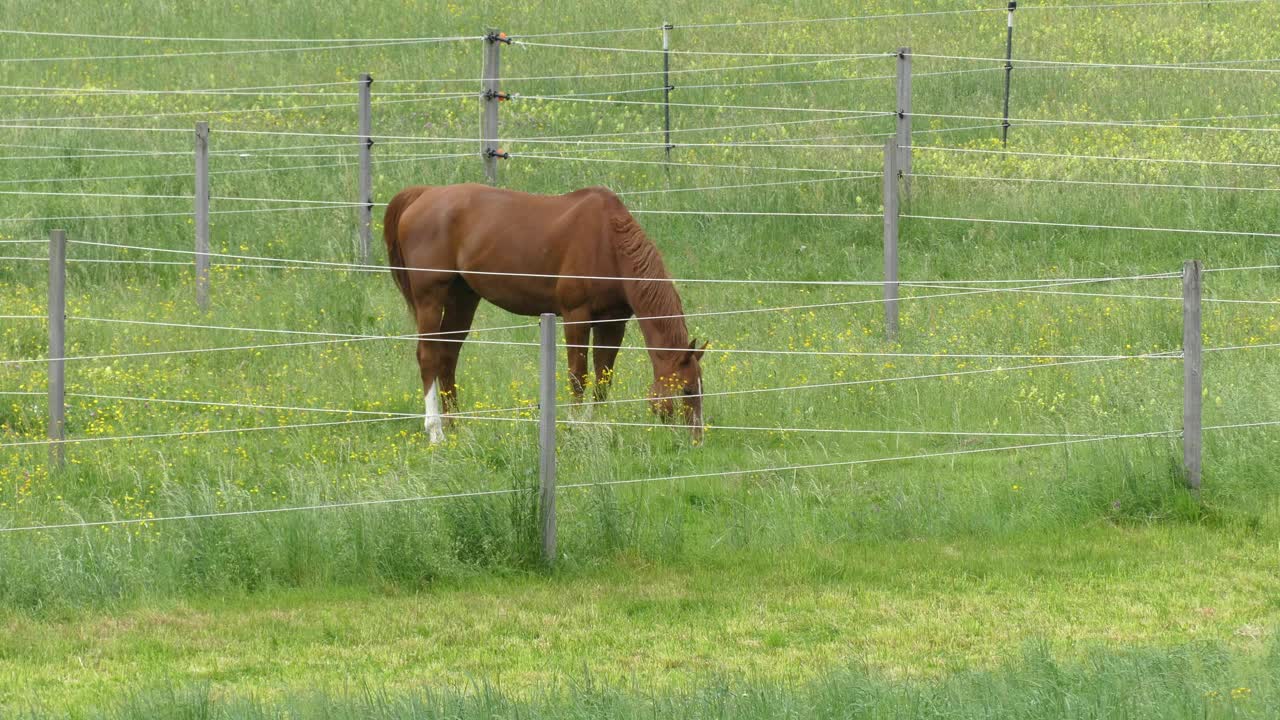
(984, 494)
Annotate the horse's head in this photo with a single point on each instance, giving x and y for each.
(681, 381)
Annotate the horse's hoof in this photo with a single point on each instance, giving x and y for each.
(434, 429)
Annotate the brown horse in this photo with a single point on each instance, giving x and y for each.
(581, 256)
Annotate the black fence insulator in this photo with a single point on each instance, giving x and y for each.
(497, 154)
(494, 94)
(498, 37)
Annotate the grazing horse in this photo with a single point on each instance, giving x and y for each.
(581, 256)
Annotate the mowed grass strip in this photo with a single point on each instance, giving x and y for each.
(913, 610)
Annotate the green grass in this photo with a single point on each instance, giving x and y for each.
(901, 612)
(1194, 682)
(1080, 544)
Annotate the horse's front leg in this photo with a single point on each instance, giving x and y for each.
(606, 341)
(459, 311)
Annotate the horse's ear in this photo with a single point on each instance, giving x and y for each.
(696, 351)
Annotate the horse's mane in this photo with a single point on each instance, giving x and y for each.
(654, 295)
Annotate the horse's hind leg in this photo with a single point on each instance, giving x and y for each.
(577, 334)
(428, 307)
(459, 311)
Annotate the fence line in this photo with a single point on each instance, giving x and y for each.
(967, 11)
(258, 428)
(193, 433)
(1118, 66)
(1070, 156)
(238, 90)
(968, 290)
(1101, 183)
(1260, 346)
(510, 491)
(850, 463)
(335, 206)
(237, 171)
(264, 511)
(849, 115)
(641, 73)
(317, 333)
(342, 338)
(830, 431)
(1086, 226)
(718, 53)
(900, 378)
(207, 53)
(1229, 301)
(1036, 291)
(748, 281)
(783, 82)
(714, 106)
(468, 415)
(1239, 269)
(680, 164)
(265, 346)
(228, 111)
(1126, 6)
(806, 181)
(1100, 123)
(28, 146)
(133, 154)
(750, 213)
(159, 38)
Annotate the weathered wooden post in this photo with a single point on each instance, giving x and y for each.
(1192, 373)
(904, 118)
(490, 96)
(366, 167)
(891, 238)
(547, 436)
(57, 346)
(1008, 72)
(666, 86)
(202, 215)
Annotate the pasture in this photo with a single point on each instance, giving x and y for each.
(990, 506)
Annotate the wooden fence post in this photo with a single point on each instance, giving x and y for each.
(490, 96)
(904, 118)
(547, 436)
(202, 215)
(1008, 72)
(1192, 373)
(666, 85)
(891, 238)
(366, 167)
(57, 346)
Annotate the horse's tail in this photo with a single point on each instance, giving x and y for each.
(390, 227)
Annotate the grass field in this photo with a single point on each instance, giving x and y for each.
(1058, 577)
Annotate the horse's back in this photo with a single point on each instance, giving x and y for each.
(511, 246)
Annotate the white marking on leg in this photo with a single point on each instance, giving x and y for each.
(432, 422)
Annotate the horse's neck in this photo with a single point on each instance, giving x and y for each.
(665, 334)
(651, 294)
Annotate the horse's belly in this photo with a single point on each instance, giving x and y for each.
(515, 295)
